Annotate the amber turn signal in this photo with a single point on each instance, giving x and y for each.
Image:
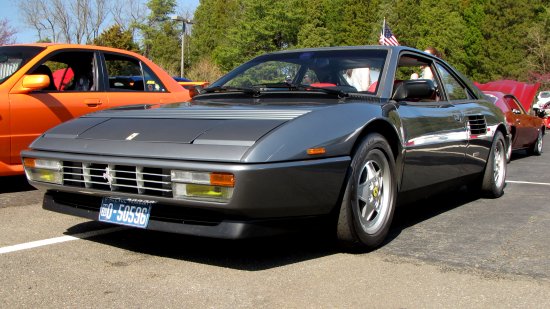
(29, 162)
(316, 151)
(222, 179)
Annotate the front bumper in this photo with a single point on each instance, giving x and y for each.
(185, 221)
(265, 197)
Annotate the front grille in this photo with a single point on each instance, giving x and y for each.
(477, 125)
(119, 178)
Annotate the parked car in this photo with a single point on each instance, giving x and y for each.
(527, 129)
(42, 85)
(263, 150)
(524, 92)
(543, 104)
(543, 98)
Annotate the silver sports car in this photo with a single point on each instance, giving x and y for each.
(338, 134)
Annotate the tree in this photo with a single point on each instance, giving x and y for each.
(116, 37)
(262, 27)
(485, 39)
(212, 21)
(7, 33)
(538, 48)
(473, 15)
(505, 30)
(314, 32)
(128, 14)
(440, 25)
(160, 35)
(359, 20)
(77, 21)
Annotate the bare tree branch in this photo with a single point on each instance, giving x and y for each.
(7, 32)
(80, 21)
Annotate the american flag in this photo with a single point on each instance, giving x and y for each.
(387, 37)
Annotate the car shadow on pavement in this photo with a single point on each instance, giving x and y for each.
(520, 154)
(414, 213)
(11, 184)
(248, 254)
(266, 252)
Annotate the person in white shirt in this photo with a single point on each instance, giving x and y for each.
(358, 78)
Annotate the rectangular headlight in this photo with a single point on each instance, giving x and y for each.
(202, 185)
(190, 177)
(187, 190)
(43, 170)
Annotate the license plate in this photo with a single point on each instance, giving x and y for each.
(125, 211)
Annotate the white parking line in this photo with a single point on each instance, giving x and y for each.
(529, 182)
(56, 240)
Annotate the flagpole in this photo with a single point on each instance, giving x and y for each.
(382, 32)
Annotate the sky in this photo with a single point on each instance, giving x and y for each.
(25, 34)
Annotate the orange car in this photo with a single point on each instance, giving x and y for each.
(42, 85)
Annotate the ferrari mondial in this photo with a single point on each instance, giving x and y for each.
(340, 134)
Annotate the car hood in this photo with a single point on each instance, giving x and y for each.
(219, 133)
(523, 91)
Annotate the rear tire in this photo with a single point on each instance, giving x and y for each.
(537, 146)
(369, 199)
(494, 177)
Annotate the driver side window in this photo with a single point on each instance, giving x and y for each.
(415, 67)
(453, 89)
(69, 71)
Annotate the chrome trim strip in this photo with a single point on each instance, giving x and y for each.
(266, 114)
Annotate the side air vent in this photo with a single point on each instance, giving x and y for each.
(477, 125)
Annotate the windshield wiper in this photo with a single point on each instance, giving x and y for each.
(253, 91)
(303, 87)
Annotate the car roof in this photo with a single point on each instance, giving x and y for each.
(57, 46)
(359, 47)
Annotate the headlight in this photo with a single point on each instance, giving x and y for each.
(43, 170)
(202, 185)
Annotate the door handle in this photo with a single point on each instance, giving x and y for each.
(92, 102)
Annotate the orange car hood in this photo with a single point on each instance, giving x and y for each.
(523, 91)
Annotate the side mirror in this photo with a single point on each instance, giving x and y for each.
(516, 111)
(32, 83)
(416, 89)
(195, 90)
(539, 112)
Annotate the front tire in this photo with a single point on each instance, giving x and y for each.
(494, 177)
(369, 199)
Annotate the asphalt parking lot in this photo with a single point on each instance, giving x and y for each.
(453, 250)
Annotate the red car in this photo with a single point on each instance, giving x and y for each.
(527, 128)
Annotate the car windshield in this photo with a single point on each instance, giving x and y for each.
(356, 70)
(12, 58)
(544, 94)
